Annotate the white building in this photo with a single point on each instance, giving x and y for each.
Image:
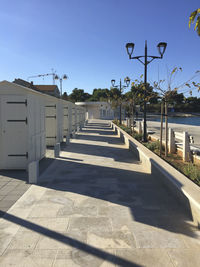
(97, 110)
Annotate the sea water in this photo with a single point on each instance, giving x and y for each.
(180, 120)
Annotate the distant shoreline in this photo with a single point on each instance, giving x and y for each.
(173, 114)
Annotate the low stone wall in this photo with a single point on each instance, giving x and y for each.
(184, 189)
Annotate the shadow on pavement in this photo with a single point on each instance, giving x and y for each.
(71, 242)
(148, 200)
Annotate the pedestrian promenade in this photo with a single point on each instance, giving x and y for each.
(96, 205)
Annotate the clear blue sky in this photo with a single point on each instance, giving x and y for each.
(85, 39)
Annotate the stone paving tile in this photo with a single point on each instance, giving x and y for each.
(185, 257)
(73, 238)
(5, 239)
(2, 196)
(6, 189)
(11, 192)
(77, 258)
(24, 240)
(111, 239)
(20, 191)
(28, 258)
(78, 211)
(191, 239)
(90, 223)
(44, 211)
(158, 239)
(91, 202)
(13, 185)
(7, 203)
(145, 257)
(115, 212)
(2, 184)
(11, 197)
(52, 224)
(134, 225)
(58, 204)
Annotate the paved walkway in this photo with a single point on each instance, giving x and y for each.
(12, 186)
(97, 206)
(14, 183)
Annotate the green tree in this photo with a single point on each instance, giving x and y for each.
(192, 100)
(100, 95)
(195, 15)
(65, 96)
(130, 98)
(176, 98)
(78, 95)
(115, 97)
(141, 92)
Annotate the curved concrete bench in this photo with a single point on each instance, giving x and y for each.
(183, 188)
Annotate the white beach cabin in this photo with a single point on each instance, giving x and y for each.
(22, 126)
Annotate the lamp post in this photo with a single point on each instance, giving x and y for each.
(161, 49)
(127, 81)
(64, 77)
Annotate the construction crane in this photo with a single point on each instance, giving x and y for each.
(43, 75)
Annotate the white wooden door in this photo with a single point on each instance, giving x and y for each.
(51, 124)
(65, 120)
(14, 132)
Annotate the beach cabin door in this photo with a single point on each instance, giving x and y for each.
(51, 124)
(14, 132)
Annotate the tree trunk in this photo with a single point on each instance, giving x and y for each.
(120, 113)
(133, 115)
(161, 128)
(166, 129)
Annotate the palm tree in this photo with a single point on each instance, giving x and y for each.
(195, 15)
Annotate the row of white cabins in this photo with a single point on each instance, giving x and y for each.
(31, 120)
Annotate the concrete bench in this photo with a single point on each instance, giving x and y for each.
(182, 141)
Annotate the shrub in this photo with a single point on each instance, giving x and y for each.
(116, 122)
(192, 172)
(138, 136)
(153, 145)
(126, 129)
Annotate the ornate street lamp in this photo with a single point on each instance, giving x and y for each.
(113, 83)
(161, 49)
(130, 48)
(121, 87)
(64, 77)
(127, 81)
